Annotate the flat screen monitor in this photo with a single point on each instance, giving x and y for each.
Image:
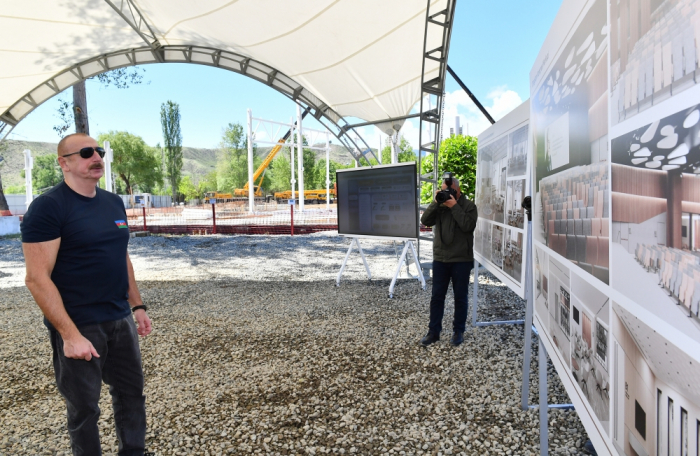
(378, 202)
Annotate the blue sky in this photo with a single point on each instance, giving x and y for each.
(493, 47)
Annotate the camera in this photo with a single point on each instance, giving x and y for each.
(444, 195)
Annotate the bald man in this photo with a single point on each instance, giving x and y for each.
(75, 239)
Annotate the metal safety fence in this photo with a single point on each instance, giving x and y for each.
(234, 218)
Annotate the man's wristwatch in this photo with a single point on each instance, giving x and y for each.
(135, 308)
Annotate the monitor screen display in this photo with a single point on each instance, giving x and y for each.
(378, 201)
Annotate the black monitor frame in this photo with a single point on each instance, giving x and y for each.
(378, 170)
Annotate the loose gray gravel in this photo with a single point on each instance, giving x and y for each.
(256, 351)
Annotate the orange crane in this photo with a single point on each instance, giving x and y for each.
(260, 172)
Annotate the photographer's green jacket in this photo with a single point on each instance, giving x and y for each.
(453, 230)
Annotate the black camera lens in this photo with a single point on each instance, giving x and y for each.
(444, 195)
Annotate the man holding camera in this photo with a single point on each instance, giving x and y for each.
(453, 218)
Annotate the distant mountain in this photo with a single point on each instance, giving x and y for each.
(197, 162)
(13, 156)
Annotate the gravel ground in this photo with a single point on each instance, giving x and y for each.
(256, 351)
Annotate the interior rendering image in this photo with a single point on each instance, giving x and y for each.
(513, 254)
(571, 148)
(517, 152)
(590, 341)
(491, 180)
(560, 309)
(656, 218)
(655, 391)
(497, 238)
(482, 239)
(653, 53)
(541, 272)
(515, 215)
(576, 217)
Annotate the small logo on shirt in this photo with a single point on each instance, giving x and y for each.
(121, 224)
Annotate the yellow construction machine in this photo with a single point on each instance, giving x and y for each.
(310, 196)
(259, 174)
(219, 196)
(317, 196)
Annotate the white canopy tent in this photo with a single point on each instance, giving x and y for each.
(342, 58)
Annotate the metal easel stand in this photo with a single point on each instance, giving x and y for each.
(355, 241)
(403, 260)
(543, 406)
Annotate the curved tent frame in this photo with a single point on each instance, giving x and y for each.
(352, 72)
(199, 55)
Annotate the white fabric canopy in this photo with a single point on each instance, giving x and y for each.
(360, 58)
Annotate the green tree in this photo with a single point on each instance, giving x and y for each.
(135, 163)
(172, 143)
(208, 183)
(188, 189)
(333, 166)
(310, 181)
(232, 162)
(406, 153)
(280, 174)
(457, 155)
(14, 190)
(46, 173)
(75, 114)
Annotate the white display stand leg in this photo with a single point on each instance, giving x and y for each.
(347, 255)
(525, 392)
(544, 408)
(476, 291)
(402, 260)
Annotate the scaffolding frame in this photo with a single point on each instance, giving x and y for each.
(432, 103)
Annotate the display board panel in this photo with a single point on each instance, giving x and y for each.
(615, 118)
(380, 201)
(502, 181)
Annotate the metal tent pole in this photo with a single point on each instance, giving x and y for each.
(291, 160)
(109, 157)
(432, 86)
(251, 184)
(328, 171)
(300, 160)
(28, 166)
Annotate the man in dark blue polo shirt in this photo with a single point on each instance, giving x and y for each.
(75, 241)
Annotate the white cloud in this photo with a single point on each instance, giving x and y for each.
(499, 102)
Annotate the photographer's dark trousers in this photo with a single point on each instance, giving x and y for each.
(80, 382)
(443, 273)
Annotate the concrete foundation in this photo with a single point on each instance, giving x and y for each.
(9, 225)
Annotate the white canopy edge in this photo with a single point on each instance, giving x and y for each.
(341, 58)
